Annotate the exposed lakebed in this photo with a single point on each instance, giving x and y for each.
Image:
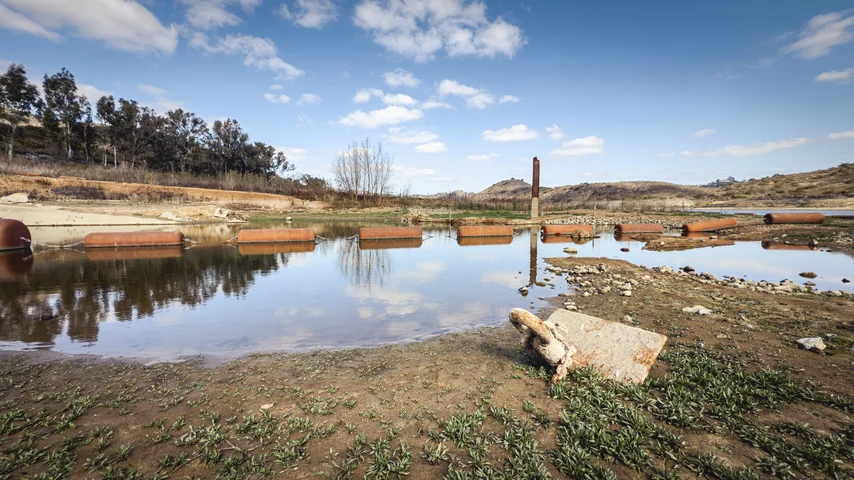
(216, 299)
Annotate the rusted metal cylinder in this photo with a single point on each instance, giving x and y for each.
(782, 218)
(15, 264)
(557, 239)
(475, 241)
(275, 235)
(580, 230)
(767, 245)
(135, 253)
(274, 248)
(638, 228)
(14, 235)
(485, 231)
(374, 233)
(710, 225)
(133, 239)
(386, 243)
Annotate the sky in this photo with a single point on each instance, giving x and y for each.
(465, 93)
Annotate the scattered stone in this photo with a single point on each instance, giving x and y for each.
(540, 283)
(813, 344)
(708, 276)
(523, 291)
(624, 249)
(266, 406)
(570, 251)
(845, 280)
(688, 269)
(722, 335)
(172, 217)
(287, 219)
(808, 274)
(585, 294)
(813, 244)
(626, 293)
(16, 198)
(627, 319)
(220, 212)
(835, 293)
(697, 309)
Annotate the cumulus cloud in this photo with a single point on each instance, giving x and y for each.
(749, 150)
(277, 98)
(555, 133)
(840, 77)
(310, 13)
(436, 104)
(151, 90)
(475, 97)
(433, 147)
(400, 78)
(275, 87)
(399, 135)
(483, 157)
(821, 34)
(419, 30)
(666, 155)
(210, 14)
(364, 95)
(589, 145)
(293, 154)
(257, 52)
(121, 24)
(391, 115)
(509, 99)
(92, 93)
(841, 135)
(511, 134)
(308, 99)
(703, 133)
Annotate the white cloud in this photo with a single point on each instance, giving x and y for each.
(257, 52)
(665, 155)
(433, 147)
(92, 93)
(165, 105)
(399, 135)
(391, 115)
(436, 104)
(841, 78)
(275, 87)
(308, 99)
(589, 145)
(555, 133)
(400, 78)
(277, 98)
(419, 30)
(409, 172)
(749, 150)
(294, 154)
(509, 99)
(365, 94)
(284, 12)
(480, 101)
(210, 14)
(121, 24)
(475, 97)
(483, 157)
(725, 75)
(151, 90)
(821, 34)
(398, 99)
(310, 13)
(841, 135)
(703, 133)
(512, 134)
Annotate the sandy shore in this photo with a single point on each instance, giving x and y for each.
(54, 215)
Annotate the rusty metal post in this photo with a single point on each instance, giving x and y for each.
(535, 190)
(533, 272)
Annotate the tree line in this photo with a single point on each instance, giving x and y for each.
(124, 132)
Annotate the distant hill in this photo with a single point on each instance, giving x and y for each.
(836, 182)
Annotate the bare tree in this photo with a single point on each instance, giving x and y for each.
(364, 170)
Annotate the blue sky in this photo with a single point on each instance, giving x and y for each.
(465, 93)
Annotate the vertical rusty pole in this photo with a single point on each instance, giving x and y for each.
(532, 279)
(535, 190)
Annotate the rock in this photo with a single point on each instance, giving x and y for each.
(813, 344)
(835, 293)
(585, 294)
(697, 309)
(624, 249)
(808, 274)
(287, 219)
(523, 291)
(626, 293)
(266, 406)
(171, 216)
(627, 319)
(813, 244)
(16, 198)
(845, 280)
(570, 251)
(688, 269)
(708, 276)
(220, 212)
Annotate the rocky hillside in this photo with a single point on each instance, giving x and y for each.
(507, 189)
(836, 182)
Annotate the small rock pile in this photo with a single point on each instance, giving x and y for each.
(598, 280)
(606, 221)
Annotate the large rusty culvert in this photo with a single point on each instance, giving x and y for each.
(386, 243)
(638, 228)
(274, 248)
(14, 235)
(576, 230)
(133, 239)
(275, 235)
(710, 225)
(135, 253)
(475, 241)
(485, 231)
(782, 218)
(375, 233)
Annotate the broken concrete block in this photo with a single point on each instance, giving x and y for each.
(620, 352)
(813, 344)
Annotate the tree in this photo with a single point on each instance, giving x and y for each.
(18, 100)
(363, 169)
(62, 109)
(183, 136)
(106, 111)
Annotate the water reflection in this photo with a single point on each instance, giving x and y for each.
(364, 268)
(15, 264)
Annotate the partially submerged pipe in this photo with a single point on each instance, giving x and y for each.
(578, 230)
(14, 264)
(768, 245)
(135, 253)
(374, 233)
(475, 241)
(710, 225)
(274, 248)
(639, 228)
(558, 239)
(383, 244)
(14, 235)
(485, 231)
(275, 235)
(783, 218)
(133, 239)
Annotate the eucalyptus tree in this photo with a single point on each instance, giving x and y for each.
(62, 109)
(19, 99)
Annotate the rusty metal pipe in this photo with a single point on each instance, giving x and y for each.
(14, 235)
(373, 233)
(639, 228)
(275, 235)
(485, 231)
(14, 264)
(274, 248)
(710, 225)
(475, 241)
(386, 243)
(135, 253)
(535, 190)
(133, 239)
(577, 230)
(782, 218)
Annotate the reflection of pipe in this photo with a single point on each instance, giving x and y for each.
(710, 225)
(274, 248)
(371, 233)
(134, 253)
(557, 239)
(275, 235)
(780, 218)
(133, 239)
(533, 273)
(12, 233)
(475, 241)
(767, 245)
(535, 190)
(15, 264)
(385, 243)
(639, 228)
(583, 230)
(485, 231)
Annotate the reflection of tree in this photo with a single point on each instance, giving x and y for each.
(82, 293)
(364, 268)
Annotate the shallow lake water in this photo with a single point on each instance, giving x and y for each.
(223, 300)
